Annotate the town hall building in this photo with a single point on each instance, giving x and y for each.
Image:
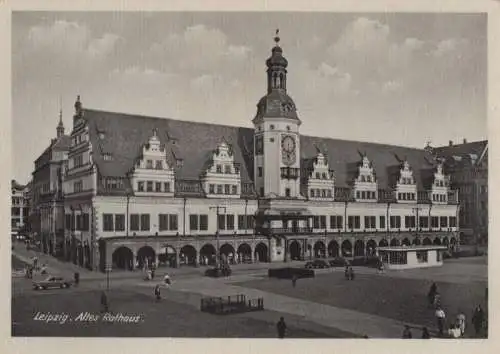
(144, 189)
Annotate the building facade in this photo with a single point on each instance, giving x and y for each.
(20, 208)
(467, 165)
(143, 189)
(47, 213)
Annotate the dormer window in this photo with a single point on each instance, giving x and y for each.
(219, 169)
(140, 186)
(323, 175)
(149, 186)
(317, 175)
(158, 165)
(227, 169)
(149, 164)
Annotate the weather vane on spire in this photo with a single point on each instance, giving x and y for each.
(277, 38)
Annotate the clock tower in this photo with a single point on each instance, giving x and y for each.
(276, 135)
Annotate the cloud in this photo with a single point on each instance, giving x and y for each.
(200, 49)
(449, 46)
(71, 39)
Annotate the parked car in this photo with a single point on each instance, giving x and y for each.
(52, 282)
(338, 262)
(218, 272)
(317, 263)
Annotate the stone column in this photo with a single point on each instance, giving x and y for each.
(285, 248)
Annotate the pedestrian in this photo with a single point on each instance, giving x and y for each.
(294, 280)
(346, 272)
(35, 262)
(157, 292)
(478, 319)
(440, 317)
(461, 322)
(351, 273)
(44, 269)
(425, 333)
(432, 293)
(437, 300)
(152, 273)
(281, 327)
(454, 331)
(407, 333)
(104, 303)
(76, 278)
(166, 279)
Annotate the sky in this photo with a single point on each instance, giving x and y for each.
(394, 78)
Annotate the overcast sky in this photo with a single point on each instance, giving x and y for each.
(390, 78)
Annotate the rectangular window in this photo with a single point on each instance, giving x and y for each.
(163, 222)
(193, 222)
(259, 170)
(166, 186)
(424, 221)
(119, 222)
(287, 192)
(149, 186)
(158, 165)
(241, 222)
(315, 222)
(85, 222)
(453, 221)
(363, 195)
(234, 189)
(358, 195)
(203, 222)
(250, 222)
(218, 168)
(158, 186)
(395, 222)
(140, 186)
(435, 221)
(230, 221)
(144, 222)
(312, 193)
(134, 222)
(149, 164)
(350, 222)
(370, 222)
(357, 222)
(221, 222)
(77, 186)
(227, 169)
(107, 222)
(172, 222)
(227, 189)
(381, 220)
(211, 189)
(261, 191)
(444, 221)
(67, 222)
(219, 189)
(322, 222)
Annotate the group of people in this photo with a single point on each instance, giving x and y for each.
(456, 328)
(349, 272)
(29, 269)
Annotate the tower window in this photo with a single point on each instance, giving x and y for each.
(259, 170)
(287, 192)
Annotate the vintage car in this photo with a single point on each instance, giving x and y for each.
(52, 282)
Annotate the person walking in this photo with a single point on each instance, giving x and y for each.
(432, 293)
(461, 322)
(437, 300)
(281, 327)
(104, 303)
(294, 280)
(157, 292)
(351, 273)
(478, 319)
(407, 333)
(440, 317)
(76, 277)
(425, 333)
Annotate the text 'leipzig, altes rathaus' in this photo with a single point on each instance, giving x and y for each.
(140, 189)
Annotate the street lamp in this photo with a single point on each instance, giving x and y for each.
(217, 253)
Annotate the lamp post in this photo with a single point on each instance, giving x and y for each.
(217, 252)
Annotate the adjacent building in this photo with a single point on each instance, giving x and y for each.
(20, 207)
(145, 189)
(467, 165)
(48, 200)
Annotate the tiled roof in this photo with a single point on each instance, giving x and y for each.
(476, 147)
(124, 135)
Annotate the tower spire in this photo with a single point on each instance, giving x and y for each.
(60, 126)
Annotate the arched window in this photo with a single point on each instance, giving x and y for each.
(282, 82)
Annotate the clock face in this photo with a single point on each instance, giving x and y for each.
(288, 144)
(288, 147)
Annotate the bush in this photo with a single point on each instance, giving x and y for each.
(289, 273)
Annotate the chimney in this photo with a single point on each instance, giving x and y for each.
(465, 141)
(450, 143)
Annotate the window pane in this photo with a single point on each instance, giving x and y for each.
(204, 222)
(144, 222)
(119, 222)
(193, 222)
(172, 222)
